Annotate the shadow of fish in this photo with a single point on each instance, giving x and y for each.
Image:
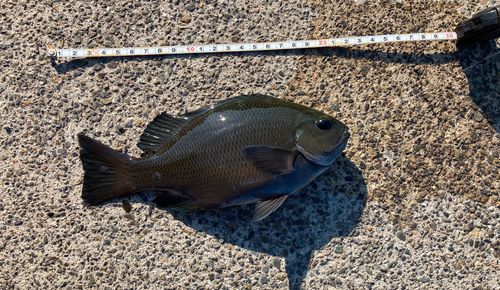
(249, 149)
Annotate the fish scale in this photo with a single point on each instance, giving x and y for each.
(250, 149)
(221, 175)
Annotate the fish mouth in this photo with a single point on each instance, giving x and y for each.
(327, 158)
(342, 143)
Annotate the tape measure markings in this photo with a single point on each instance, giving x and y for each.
(246, 47)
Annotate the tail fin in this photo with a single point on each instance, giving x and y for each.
(107, 171)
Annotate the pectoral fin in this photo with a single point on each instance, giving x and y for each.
(271, 160)
(265, 207)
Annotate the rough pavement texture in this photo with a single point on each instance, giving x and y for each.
(412, 204)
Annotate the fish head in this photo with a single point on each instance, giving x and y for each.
(320, 137)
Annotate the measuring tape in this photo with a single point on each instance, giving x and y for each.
(483, 26)
(245, 47)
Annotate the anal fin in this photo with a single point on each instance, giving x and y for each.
(264, 207)
(177, 202)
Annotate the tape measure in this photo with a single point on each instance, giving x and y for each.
(245, 47)
(483, 26)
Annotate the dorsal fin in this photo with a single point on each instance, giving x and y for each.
(165, 126)
(159, 131)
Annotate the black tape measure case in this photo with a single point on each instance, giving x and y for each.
(482, 26)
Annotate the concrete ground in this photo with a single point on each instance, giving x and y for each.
(412, 204)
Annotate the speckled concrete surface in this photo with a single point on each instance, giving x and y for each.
(413, 203)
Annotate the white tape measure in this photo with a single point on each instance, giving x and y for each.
(263, 46)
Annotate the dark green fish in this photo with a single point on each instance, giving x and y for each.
(243, 150)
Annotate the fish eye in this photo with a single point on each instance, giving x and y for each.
(324, 124)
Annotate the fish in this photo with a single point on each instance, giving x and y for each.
(248, 149)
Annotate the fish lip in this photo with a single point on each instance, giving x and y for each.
(343, 141)
(345, 135)
(329, 156)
